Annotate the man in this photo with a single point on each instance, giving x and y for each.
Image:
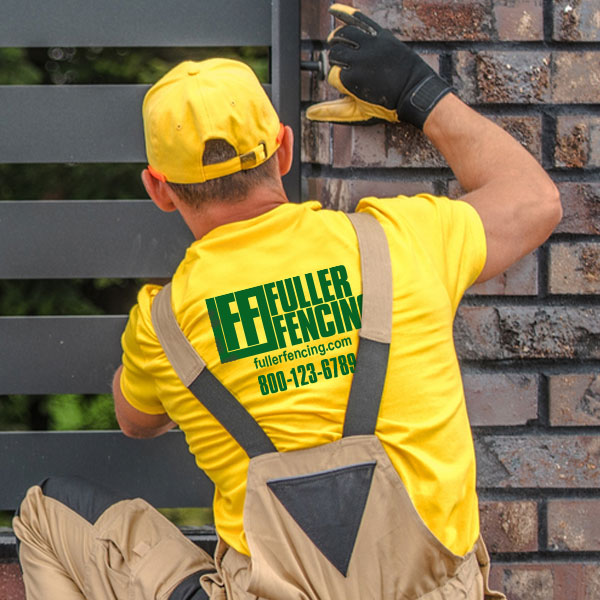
(343, 468)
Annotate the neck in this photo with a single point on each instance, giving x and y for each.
(260, 200)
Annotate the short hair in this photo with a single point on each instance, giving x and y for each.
(230, 188)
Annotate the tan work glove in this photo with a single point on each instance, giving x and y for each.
(381, 77)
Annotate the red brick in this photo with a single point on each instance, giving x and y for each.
(11, 583)
(509, 526)
(526, 130)
(440, 20)
(574, 268)
(392, 146)
(575, 399)
(305, 78)
(315, 20)
(538, 461)
(444, 20)
(547, 581)
(526, 582)
(574, 525)
(498, 399)
(455, 190)
(577, 142)
(581, 208)
(576, 20)
(519, 20)
(519, 280)
(344, 194)
(575, 77)
(460, 20)
(314, 88)
(316, 142)
(493, 77)
(591, 579)
(504, 332)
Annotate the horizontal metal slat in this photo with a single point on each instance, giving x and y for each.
(89, 239)
(72, 123)
(161, 470)
(66, 124)
(59, 355)
(31, 23)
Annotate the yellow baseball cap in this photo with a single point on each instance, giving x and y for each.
(195, 102)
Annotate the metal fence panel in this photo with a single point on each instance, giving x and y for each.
(72, 124)
(128, 23)
(160, 470)
(89, 239)
(54, 355)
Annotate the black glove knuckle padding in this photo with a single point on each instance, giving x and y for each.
(369, 69)
(341, 55)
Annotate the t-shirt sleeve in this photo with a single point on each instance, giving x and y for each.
(141, 355)
(449, 232)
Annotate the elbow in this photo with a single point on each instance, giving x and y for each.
(129, 430)
(126, 427)
(141, 431)
(135, 433)
(549, 208)
(558, 210)
(554, 206)
(138, 433)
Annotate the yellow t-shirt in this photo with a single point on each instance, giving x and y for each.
(284, 293)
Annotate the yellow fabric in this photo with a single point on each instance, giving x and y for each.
(337, 8)
(437, 248)
(194, 102)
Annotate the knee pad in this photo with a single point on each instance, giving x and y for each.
(87, 499)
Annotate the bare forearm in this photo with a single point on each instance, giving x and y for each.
(133, 422)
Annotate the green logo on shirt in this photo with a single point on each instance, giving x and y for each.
(282, 313)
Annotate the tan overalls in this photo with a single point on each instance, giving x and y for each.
(333, 522)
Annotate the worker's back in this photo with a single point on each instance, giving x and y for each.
(272, 305)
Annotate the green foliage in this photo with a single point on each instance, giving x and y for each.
(5, 518)
(44, 297)
(68, 412)
(16, 69)
(125, 65)
(71, 182)
(14, 412)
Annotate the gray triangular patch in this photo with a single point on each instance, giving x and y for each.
(328, 506)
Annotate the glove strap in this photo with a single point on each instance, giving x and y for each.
(416, 107)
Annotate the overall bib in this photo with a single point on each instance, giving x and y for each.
(332, 522)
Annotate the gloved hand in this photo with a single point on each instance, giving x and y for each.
(381, 77)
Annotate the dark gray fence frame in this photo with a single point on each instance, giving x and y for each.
(102, 123)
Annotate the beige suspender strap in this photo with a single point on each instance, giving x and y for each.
(376, 327)
(185, 360)
(190, 368)
(376, 272)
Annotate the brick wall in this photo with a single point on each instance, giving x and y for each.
(529, 341)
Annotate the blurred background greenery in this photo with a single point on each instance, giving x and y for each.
(65, 66)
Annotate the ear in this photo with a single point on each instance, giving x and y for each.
(160, 193)
(285, 152)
